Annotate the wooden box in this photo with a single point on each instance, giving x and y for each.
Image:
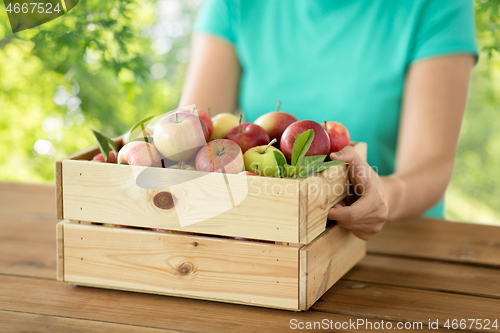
(265, 242)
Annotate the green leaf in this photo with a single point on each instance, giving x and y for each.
(318, 168)
(103, 144)
(310, 160)
(143, 139)
(141, 125)
(111, 143)
(280, 162)
(301, 146)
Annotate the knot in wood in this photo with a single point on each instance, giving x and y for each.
(163, 200)
(185, 269)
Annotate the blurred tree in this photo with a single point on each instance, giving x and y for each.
(104, 65)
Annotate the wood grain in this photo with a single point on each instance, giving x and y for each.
(15, 322)
(405, 304)
(426, 274)
(438, 239)
(46, 297)
(327, 259)
(191, 266)
(109, 193)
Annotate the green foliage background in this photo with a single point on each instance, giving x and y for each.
(107, 64)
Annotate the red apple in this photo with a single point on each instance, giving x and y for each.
(203, 116)
(319, 146)
(339, 135)
(248, 135)
(111, 157)
(275, 123)
(220, 155)
(178, 136)
(139, 153)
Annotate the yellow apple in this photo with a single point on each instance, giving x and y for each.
(223, 123)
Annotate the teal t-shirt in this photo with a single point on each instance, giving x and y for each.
(340, 60)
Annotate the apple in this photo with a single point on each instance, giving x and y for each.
(247, 173)
(203, 116)
(111, 157)
(261, 160)
(319, 146)
(223, 122)
(275, 123)
(247, 135)
(220, 155)
(139, 153)
(339, 135)
(178, 136)
(182, 166)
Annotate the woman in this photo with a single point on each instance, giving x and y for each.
(394, 72)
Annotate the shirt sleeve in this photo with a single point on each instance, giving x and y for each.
(218, 18)
(444, 27)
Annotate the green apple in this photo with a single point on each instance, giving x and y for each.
(260, 160)
(222, 124)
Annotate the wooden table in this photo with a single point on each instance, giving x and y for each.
(416, 271)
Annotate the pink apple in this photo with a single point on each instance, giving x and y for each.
(179, 135)
(275, 123)
(319, 146)
(220, 155)
(139, 153)
(248, 135)
(339, 135)
(111, 157)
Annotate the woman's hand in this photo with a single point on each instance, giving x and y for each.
(368, 214)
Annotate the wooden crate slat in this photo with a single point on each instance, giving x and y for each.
(429, 275)
(438, 239)
(201, 267)
(108, 193)
(328, 258)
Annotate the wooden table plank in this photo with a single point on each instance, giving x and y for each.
(438, 239)
(27, 236)
(15, 322)
(396, 303)
(54, 298)
(429, 275)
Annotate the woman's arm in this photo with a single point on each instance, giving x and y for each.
(213, 75)
(433, 107)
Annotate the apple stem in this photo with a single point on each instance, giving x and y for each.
(324, 125)
(221, 152)
(256, 166)
(209, 113)
(193, 109)
(176, 117)
(269, 144)
(241, 130)
(181, 165)
(278, 106)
